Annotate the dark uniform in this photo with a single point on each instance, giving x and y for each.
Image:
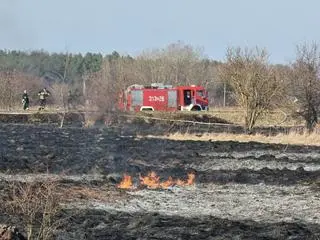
(187, 98)
(25, 100)
(43, 94)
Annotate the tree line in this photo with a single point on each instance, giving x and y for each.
(94, 80)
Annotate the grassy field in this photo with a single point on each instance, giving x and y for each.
(291, 138)
(230, 114)
(271, 118)
(274, 118)
(235, 116)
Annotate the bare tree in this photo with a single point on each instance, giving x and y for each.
(61, 88)
(37, 204)
(100, 89)
(12, 84)
(305, 87)
(253, 81)
(178, 63)
(6, 89)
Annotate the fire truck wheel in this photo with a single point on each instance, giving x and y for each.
(196, 108)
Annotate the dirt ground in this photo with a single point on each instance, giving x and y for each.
(241, 190)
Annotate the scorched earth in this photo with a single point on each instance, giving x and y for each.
(198, 189)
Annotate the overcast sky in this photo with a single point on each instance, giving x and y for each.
(130, 26)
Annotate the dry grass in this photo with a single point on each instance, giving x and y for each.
(236, 115)
(292, 138)
(37, 204)
(230, 114)
(272, 118)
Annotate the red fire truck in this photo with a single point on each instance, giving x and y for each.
(160, 97)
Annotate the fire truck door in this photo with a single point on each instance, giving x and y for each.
(187, 97)
(172, 98)
(137, 97)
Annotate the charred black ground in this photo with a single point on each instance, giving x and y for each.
(108, 152)
(47, 149)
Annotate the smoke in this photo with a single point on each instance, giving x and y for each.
(16, 30)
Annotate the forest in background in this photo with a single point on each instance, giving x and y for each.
(176, 64)
(246, 78)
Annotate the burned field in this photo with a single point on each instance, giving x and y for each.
(218, 190)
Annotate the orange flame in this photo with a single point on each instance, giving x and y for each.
(189, 181)
(191, 178)
(168, 183)
(153, 181)
(126, 182)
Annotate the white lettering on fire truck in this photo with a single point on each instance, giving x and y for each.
(156, 98)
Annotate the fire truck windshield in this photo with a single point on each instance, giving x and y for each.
(200, 93)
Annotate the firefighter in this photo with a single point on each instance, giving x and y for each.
(43, 94)
(25, 100)
(187, 99)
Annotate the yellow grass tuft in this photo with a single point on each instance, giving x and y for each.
(270, 118)
(292, 138)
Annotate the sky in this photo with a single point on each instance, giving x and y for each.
(131, 26)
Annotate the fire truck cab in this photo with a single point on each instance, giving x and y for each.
(160, 97)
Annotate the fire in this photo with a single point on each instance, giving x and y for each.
(152, 181)
(189, 181)
(191, 178)
(126, 182)
(168, 183)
